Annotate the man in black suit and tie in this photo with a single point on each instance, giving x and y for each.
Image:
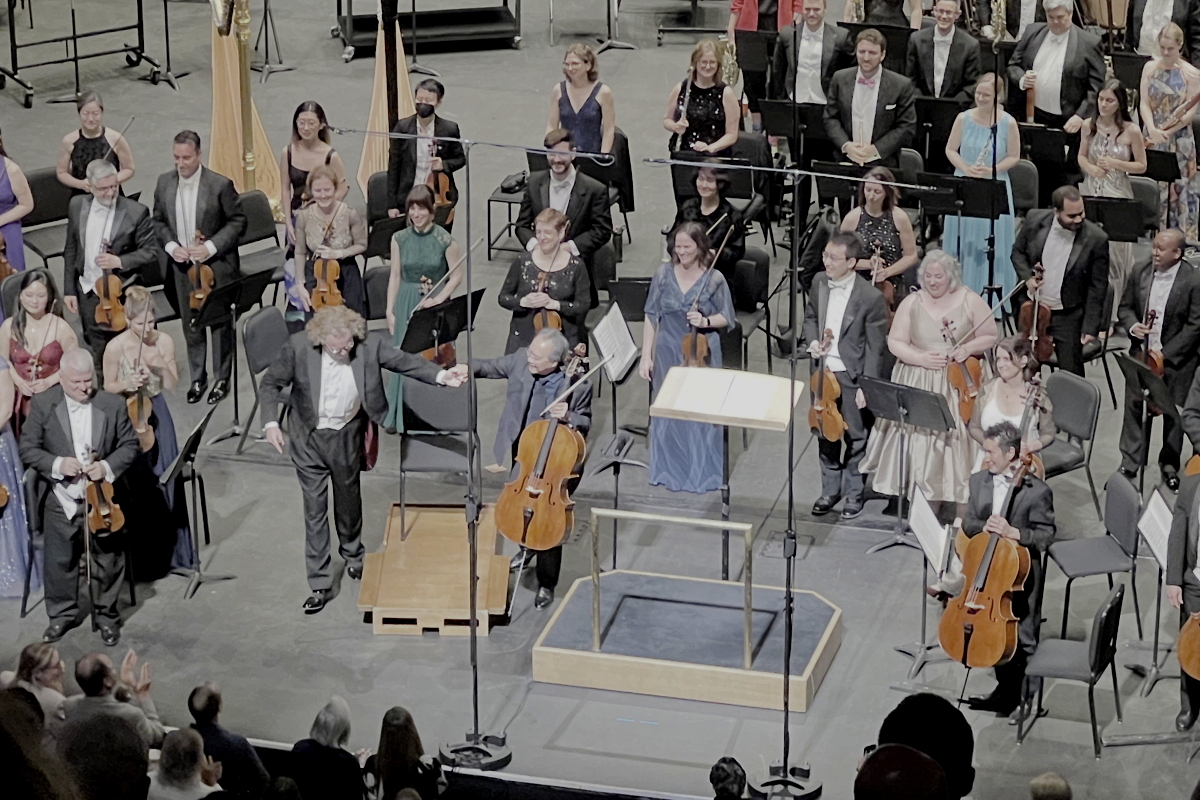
(106, 234)
(943, 59)
(823, 50)
(412, 161)
(1168, 287)
(336, 392)
(1073, 252)
(1063, 65)
(1145, 20)
(535, 378)
(1028, 521)
(188, 199)
(855, 313)
(74, 434)
(1183, 586)
(870, 113)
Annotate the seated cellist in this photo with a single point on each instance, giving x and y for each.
(1029, 522)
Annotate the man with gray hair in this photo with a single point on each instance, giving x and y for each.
(107, 234)
(75, 434)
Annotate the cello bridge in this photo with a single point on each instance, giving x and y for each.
(533, 491)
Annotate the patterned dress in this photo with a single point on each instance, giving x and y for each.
(570, 286)
(14, 525)
(1166, 91)
(705, 116)
(1114, 184)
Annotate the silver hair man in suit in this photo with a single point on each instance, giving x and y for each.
(943, 59)
(336, 392)
(75, 434)
(107, 234)
(412, 161)
(188, 199)
(856, 315)
(871, 112)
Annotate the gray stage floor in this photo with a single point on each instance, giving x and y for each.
(277, 666)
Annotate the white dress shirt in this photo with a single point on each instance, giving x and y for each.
(560, 191)
(339, 400)
(1000, 484)
(808, 66)
(99, 228)
(1055, 255)
(835, 314)
(1028, 12)
(1160, 290)
(1155, 17)
(185, 215)
(424, 146)
(1048, 64)
(70, 491)
(863, 104)
(941, 54)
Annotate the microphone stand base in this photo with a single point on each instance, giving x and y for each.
(479, 752)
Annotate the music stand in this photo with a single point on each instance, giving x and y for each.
(440, 324)
(832, 184)
(1127, 67)
(1039, 143)
(799, 122)
(897, 42)
(935, 119)
(908, 407)
(1121, 218)
(630, 294)
(1152, 390)
(184, 468)
(996, 61)
(223, 307)
(1162, 166)
(977, 198)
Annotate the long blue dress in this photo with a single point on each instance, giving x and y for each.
(973, 256)
(684, 456)
(14, 525)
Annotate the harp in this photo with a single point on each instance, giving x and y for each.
(222, 15)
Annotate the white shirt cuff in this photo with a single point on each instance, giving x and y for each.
(210, 247)
(109, 475)
(171, 248)
(444, 374)
(54, 471)
(269, 425)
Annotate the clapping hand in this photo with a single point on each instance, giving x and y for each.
(139, 684)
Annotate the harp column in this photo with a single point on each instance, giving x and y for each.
(241, 22)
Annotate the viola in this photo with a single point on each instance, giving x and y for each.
(535, 510)
(965, 377)
(445, 196)
(694, 345)
(544, 317)
(6, 267)
(442, 353)
(884, 285)
(201, 278)
(110, 313)
(1033, 405)
(326, 293)
(138, 404)
(1187, 646)
(1033, 321)
(824, 415)
(1151, 358)
(103, 515)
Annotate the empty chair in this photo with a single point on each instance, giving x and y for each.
(45, 228)
(380, 227)
(750, 288)
(260, 227)
(1076, 414)
(264, 335)
(1024, 179)
(436, 427)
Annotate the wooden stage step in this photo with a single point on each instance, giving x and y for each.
(420, 582)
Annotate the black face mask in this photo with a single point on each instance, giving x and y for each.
(424, 110)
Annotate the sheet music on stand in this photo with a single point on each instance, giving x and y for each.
(1155, 527)
(930, 533)
(615, 342)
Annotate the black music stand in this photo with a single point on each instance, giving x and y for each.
(1127, 67)
(223, 307)
(440, 324)
(630, 294)
(906, 406)
(990, 59)
(832, 184)
(1039, 143)
(1140, 381)
(754, 49)
(183, 468)
(977, 198)
(1121, 218)
(799, 122)
(935, 119)
(1162, 166)
(897, 42)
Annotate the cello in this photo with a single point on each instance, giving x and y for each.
(1187, 646)
(327, 272)
(694, 345)
(110, 314)
(1033, 321)
(824, 415)
(201, 278)
(966, 377)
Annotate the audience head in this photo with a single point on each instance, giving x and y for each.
(547, 352)
(1167, 248)
(41, 665)
(549, 228)
(322, 185)
(579, 61)
(407, 794)
(1014, 356)
(186, 153)
(78, 379)
(27, 720)
(1170, 42)
(1112, 100)
(945, 14)
(985, 91)
(94, 672)
(428, 97)
(309, 122)
(562, 143)
(30, 771)
(900, 772)
(869, 49)
(332, 725)
(106, 757)
(711, 181)
(688, 245)
(182, 754)
(205, 703)
(940, 273)
(1050, 786)
(399, 747)
(336, 329)
(706, 60)
(139, 310)
(91, 110)
(1068, 205)
(283, 788)
(728, 778)
(932, 725)
(102, 181)
(1001, 445)
(878, 193)
(418, 205)
(1058, 15)
(842, 252)
(813, 12)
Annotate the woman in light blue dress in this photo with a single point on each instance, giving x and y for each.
(685, 456)
(14, 525)
(970, 151)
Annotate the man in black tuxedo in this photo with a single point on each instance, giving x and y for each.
(1169, 287)
(870, 113)
(854, 311)
(188, 199)
(107, 233)
(1028, 521)
(824, 49)
(336, 393)
(1073, 251)
(1183, 587)
(535, 377)
(75, 433)
(583, 199)
(412, 161)
(943, 59)
(1142, 27)
(1062, 63)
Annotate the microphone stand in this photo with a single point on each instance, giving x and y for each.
(414, 67)
(991, 289)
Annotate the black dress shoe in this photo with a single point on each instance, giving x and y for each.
(110, 634)
(1131, 474)
(219, 392)
(545, 596)
(852, 507)
(196, 392)
(522, 559)
(1185, 720)
(824, 505)
(56, 630)
(355, 573)
(316, 601)
(1172, 480)
(1000, 705)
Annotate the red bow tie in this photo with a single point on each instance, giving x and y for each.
(868, 82)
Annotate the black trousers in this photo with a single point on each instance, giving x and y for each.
(96, 337)
(1133, 448)
(1053, 174)
(1189, 687)
(322, 459)
(549, 562)
(64, 561)
(840, 475)
(223, 340)
(1067, 327)
(1027, 606)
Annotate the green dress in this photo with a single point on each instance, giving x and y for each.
(422, 255)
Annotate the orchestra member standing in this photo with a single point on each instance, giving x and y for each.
(336, 392)
(90, 142)
(883, 226)
(328, 228)
(1028, 521)
(718, 216)
(854, 312)
(412, 162)
(33, 340)
(76, 434)
(1146, 18)
(1003, 399)
(1182, 582)
(943, 59)
(709, 124)
(821, 50)
(16, 201)
(107, 234)
(765, 16)
(1063, 66)
(1168, 82)
(1169, 287)
(870, 112)
(191, 199)
(686, 296)
(1073, 252)
(582, 104)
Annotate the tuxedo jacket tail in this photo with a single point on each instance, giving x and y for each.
(864, 325)
(895, 113)
(1180, 324)
(131, 236)
(402, 157)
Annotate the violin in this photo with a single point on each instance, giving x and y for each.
(535, 509)
(445, 197)
(1033, 403)
(1033, 321)
(1187, 646)
(694, 345)
(964, 376)
(103, 515)
(978, 628)
(110, 313)
(200, 276)
(1153, 359)
(6, 267)
(824, 415)
(138, 404)
(327, 272)
(544, 317)
(883, 284)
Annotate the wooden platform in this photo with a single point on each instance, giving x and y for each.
(420, 582)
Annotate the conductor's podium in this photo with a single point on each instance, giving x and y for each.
(420, 582)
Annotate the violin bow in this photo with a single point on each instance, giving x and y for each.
(570, 389)
(108, 209)
(442, 279)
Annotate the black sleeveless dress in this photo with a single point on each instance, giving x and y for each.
(705, 116)
(85, 151)
(299, 179)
